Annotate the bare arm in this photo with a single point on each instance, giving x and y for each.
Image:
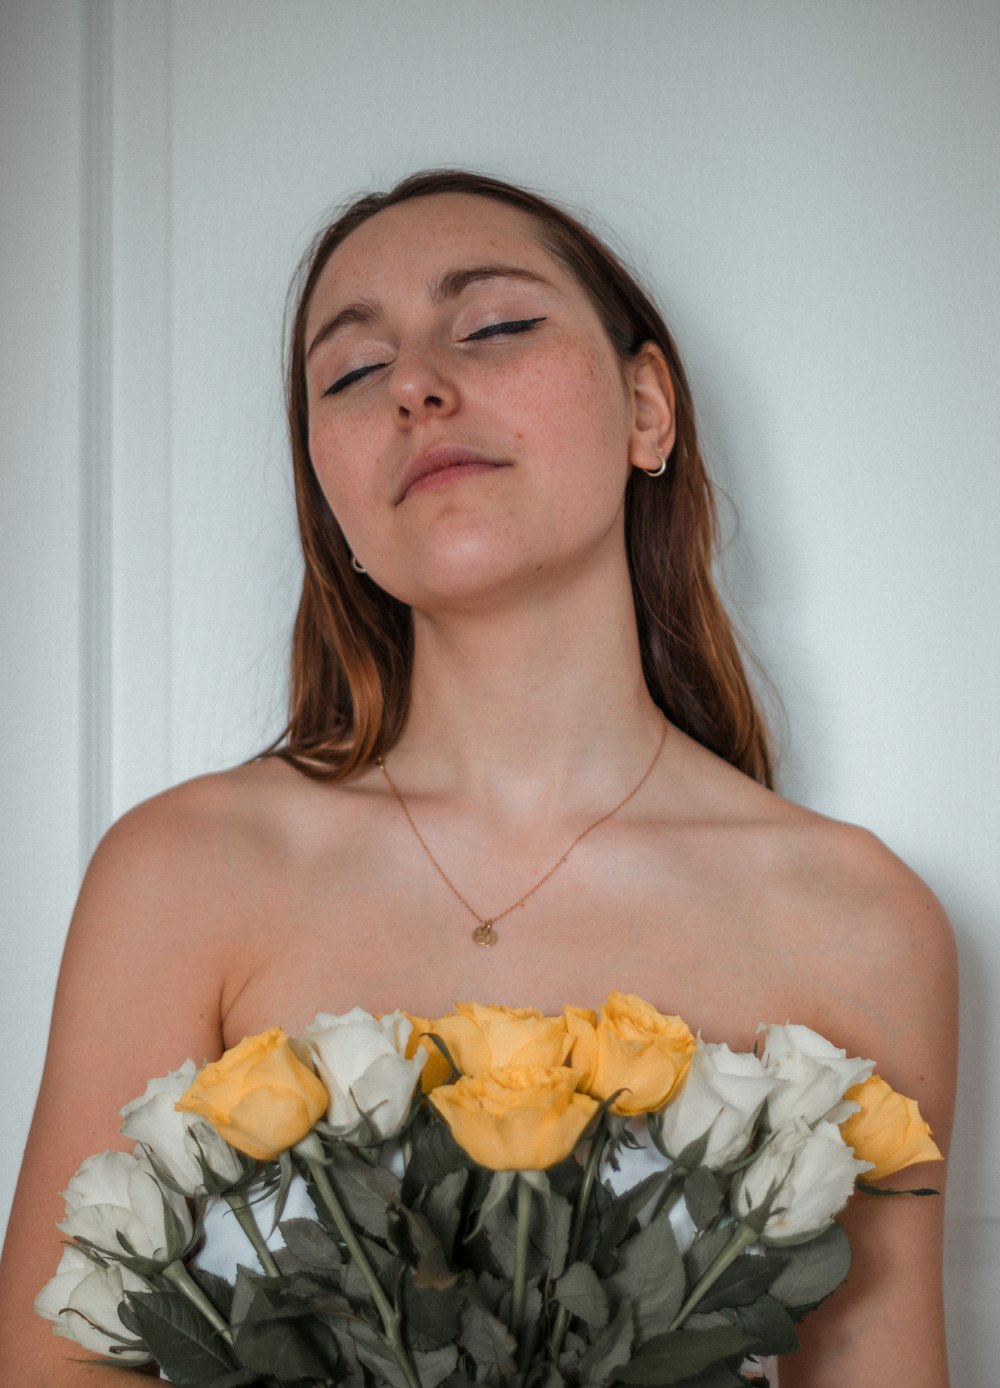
(896, 987)
(138, 993)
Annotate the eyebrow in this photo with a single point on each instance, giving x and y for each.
(449, 286)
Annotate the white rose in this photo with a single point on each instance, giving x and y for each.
(815, 1075)
(362, 1061)
(83, 1299)
(114, 1193)
(813, 1171)
(722, 1097)
(182, 1143)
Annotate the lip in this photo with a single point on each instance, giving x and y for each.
(440, 459)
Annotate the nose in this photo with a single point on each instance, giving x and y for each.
(420, 385)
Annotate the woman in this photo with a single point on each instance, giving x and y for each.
(508, 643)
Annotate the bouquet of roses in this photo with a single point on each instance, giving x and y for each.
(494, 1196)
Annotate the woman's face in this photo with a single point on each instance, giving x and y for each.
(469, 421)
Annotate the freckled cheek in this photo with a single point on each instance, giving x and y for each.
(335, 464)
(579, 408)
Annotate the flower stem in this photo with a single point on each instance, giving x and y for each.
(178, 1274)
(523, 1228)
(311, 1151)
(576, 1232)
(743, 1237)
(240, 1207)
(670, 1194)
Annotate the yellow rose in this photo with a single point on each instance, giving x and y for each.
(260, 1096)
(581, 1023)
(485, 1038)
(436, 1069)
(631, 1047)
(888, 1131)
(517, 1117)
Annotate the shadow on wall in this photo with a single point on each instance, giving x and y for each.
(763, 565)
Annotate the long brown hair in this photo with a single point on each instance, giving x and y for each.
(352, 648)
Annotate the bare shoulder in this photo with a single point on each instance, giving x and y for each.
(865, 903)
(155, 937)
(846, 875)
(861, 942)
(838, 882)
(164, 910)
(878, 949)
(203, 846)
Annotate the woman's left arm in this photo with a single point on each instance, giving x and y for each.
(896, 992)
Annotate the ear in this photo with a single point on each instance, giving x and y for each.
(651, 390)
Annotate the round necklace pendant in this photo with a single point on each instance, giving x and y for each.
(485, 935)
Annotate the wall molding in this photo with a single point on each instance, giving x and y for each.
(139, 500)
(95, 420)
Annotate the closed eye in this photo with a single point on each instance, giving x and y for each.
(356, 375)
(518, 325)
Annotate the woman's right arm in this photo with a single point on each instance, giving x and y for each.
(139, 991)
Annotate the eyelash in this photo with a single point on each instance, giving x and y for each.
(517, 325)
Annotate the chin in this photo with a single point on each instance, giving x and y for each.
(466, 577)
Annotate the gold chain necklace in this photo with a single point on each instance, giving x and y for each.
(484, 933)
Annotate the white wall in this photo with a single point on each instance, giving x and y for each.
(813, 191)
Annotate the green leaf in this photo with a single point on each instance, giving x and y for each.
(813, 1270)
(561, 1212)
(430, 1315)
(179, 1338)
(747, 1278)
(434, 1367)
(490, 1290)
(280, 1339)
(546, 1376)
(619, 1212)
(682, 1354)
(692, 1156)
(281, 1183)
(610, 1350)
(310, 1242)
(486, 1339)
(243, 1295)
(386, 1267)
(868, 1189)
(651, 1275)
(500, 1231)
(217, 1289)
(496, 1194)
(541, 1227)
(376, 1355)
(595, 1248)
(435, 1155)
(365, 1191)
(573, 1350)
(441, 1206)
(532, 1303)
(412, 1239)
(566, 1179)
(702, 1196)
(771, 1326)
(582, 1294)
(704, 1251)
(718, 1376)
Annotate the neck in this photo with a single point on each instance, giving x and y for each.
(538, 705)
